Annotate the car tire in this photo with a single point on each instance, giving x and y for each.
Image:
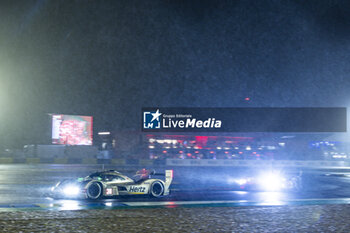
(94, 190)
(157, 189)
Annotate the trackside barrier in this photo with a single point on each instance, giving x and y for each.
(89, 161)
(252, 163)
(32, 160)
(146, 162)
(61, 160)
(118, 162)
(6, 160)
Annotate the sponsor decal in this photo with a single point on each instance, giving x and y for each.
(136, 189)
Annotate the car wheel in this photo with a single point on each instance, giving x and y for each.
(157, 189)
(94, 191)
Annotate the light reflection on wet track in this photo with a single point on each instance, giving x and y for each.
(27, 186)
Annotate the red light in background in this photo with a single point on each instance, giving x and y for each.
(247, 99)
(196, 152)
(211, 152)
(189, 154)
(201, 141)
(240, 152)
(164, 151)
(181, 152)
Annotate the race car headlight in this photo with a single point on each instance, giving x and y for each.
(71, 190)
(241, 181)
(272, 181)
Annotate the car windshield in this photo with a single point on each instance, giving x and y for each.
(95, 175)
(112, 177)
(105, 176)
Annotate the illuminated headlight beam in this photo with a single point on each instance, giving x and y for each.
(241, 181)
(71, 190)
(272, 181)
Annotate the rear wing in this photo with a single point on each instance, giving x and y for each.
(169, 174)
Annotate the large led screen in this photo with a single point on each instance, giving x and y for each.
(71, 130)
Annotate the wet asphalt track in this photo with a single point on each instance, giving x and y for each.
(27, 186)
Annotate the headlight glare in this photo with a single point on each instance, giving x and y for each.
(272, 181)
(71, 190)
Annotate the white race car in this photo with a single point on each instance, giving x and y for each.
(112, 183)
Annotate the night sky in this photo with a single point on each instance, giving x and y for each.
(109, 59)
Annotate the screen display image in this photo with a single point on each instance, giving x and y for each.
(71, 130)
